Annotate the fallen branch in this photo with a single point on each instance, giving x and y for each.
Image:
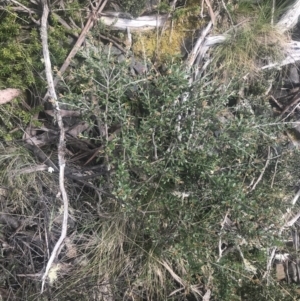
(115, 21)
(61, 143)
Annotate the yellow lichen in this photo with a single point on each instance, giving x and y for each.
(175, 38)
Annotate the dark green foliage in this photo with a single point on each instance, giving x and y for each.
(176, 167)
(178, 181)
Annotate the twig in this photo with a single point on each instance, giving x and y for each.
(220, 249)
(201, 12)
(263, 171)
(293, 110)
(295, 100)
(220, 240)
(194, 53)
(292, 221)
(154, 145)
(296, 197)
(228, 13)
(269, 88)
(172, 9)
(276, 101)
(65, 24)
(275, 170)
(269, 263)
(277, 123)
(61, 143)
(113, 42)
(80, 40)
(26, 9)
(211, 12)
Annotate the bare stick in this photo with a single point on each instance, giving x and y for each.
(228, 13)
(220, 240)
(194, 53)
(61, 143)
(154, 145)
(201, 12)
(292, 221)
(294, 101)
(296, 197)
(269, 263)
(263, 171)
(211, 12)
(275, 170)
(276, 101)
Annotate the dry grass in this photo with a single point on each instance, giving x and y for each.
(252, 43)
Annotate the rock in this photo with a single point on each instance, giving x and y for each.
(121, 58)
(111, 49)
(294, 75)
(280, 273)
(138, 66)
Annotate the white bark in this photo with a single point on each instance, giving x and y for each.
(287, 22)
(292, 55)
(290, 18)
(61, 143)
(142, 23)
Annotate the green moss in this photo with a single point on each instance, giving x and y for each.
(21, 63)
(22, 66)
(17, 49)
(176, 36)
